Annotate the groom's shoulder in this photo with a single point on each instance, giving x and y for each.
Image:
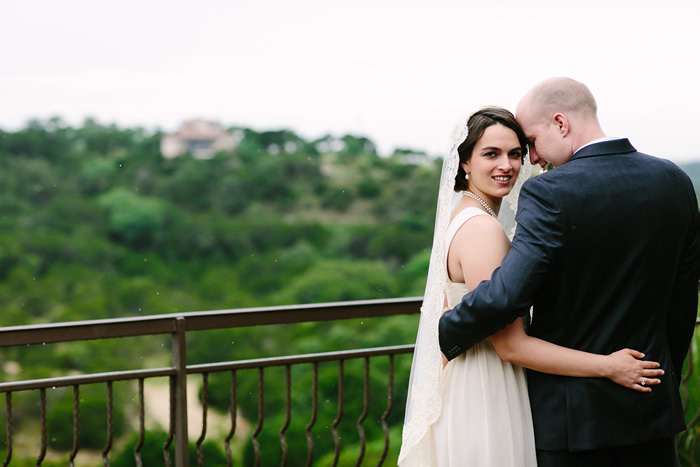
(554, 185)
(656, 161)
(542, 189)
(669, 165)
(660, 166)
(544, 181)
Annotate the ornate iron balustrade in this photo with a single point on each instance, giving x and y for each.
(178, 325)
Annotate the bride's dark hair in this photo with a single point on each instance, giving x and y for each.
(478, 122)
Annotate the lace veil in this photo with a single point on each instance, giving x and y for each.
(424, 402)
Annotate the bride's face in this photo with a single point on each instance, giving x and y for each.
(495, 162)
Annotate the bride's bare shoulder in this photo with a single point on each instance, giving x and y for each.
(477, 249)
(481, 225)
(480, 234)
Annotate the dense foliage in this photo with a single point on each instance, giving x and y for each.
(97, 224)
(157, 235)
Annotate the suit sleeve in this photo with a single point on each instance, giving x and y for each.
(682, 311)
(510, 292)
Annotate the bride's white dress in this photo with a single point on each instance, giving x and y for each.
(485, 418)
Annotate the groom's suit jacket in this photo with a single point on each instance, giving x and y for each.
(607, 249)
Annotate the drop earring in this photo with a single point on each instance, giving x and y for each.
(466, 175)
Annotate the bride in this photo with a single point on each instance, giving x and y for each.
(475, 411)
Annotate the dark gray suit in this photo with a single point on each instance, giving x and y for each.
(607, 250)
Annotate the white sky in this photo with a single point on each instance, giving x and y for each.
(402, 73)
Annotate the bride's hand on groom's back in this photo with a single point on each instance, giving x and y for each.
(627, 369)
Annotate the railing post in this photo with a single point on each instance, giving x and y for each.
(179, 349)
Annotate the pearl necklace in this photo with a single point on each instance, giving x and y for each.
(481, 202)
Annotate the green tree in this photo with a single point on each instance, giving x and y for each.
(96, 174)
(339, 280)
(133, 219)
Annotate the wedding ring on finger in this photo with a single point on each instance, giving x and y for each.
(643, 381)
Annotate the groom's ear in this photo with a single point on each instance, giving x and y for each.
(562, 124)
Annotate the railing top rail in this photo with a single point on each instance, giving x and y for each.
(204, 320)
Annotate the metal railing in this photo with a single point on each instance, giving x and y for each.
(178, 325)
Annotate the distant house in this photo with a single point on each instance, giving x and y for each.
(201, 138)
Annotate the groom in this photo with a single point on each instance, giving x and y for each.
(607, 250)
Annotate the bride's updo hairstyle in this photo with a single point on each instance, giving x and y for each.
(478, 122)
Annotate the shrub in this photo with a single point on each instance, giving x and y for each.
(133, 219)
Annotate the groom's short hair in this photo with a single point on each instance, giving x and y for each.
(564, 95)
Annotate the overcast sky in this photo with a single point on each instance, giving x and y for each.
(402, 73)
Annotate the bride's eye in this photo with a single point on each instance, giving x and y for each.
(515, 154)
(490, 154)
